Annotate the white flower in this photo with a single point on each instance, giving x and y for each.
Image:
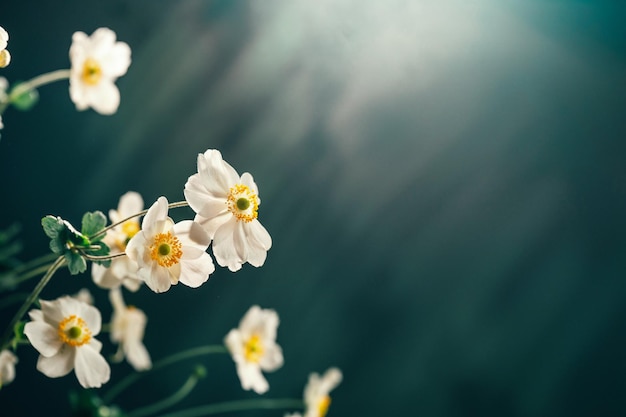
(5, 56)
(97, 61)
(127, 328)
(84, 295)
(122, 270)
(253, 348)
(316, 398)
(7, 367)
(168, 253)
(227, 207)
(63, 332)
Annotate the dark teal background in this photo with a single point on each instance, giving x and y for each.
(444, 183)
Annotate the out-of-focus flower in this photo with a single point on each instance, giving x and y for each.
(4, 85)
(63, 333)
(227, 207)
(168, 253)
(7, 367)
(127, 328)
(5, 56)
(316, 398)
(122, 270)
(97, 61)
(85, 296)
(253, 348)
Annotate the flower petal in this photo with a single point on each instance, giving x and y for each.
(226, 248)
(58, 365)
(251, 377)
(137, 355)
(192, 234)
(92, 370)
(156, 212)
(196, 272)
(43, 337)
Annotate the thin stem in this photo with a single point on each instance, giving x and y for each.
(32, 273)
(31, 298)
(178, 396)
(39, 81)
(177, 357)
(240, 405)
(99, 257)
(141, 213)
(34, 262)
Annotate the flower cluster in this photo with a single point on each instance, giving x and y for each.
(131, 251)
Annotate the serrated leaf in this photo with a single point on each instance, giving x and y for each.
(75, 263)
(52, 226)
(93, 222)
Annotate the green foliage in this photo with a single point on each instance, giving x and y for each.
(86, 403)
(73, 245)
(23, 99)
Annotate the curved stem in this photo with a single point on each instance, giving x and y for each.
(240, 405)
(141, 213)
(99, 257)
(178, 396)
(39, 81)
(31, 298)
(34, 262)
(177, 357)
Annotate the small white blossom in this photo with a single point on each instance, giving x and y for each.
(84, 295)
(7, 367)
(97, 61)
(227, 207)
(167, 253)
(63, 333)
(127, 329)
(316, 398)
(5, 56)
(253, 348)
(122, 270)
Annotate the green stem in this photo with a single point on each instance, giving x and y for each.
(178, 396)
(141, 213)
(31, 298)
(35, 262)
(32, 84)
(240, 405)
(32, 273)
(177, 357)
(99, 257)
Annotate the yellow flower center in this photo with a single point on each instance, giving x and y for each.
(243, 203)
(92, 72)
(322, 406)
(5, 58)
(130, 229)
(253, 349)
(166, 249)
(74, 331)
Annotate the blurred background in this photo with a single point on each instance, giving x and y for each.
(444, 183)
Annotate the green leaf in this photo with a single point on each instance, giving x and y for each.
(52, 226)
(75, 263)
(103, 251)
(93, 222)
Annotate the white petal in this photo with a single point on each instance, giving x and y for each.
(91, 316)
(251, 378)
(43, 337)
(224, 246)
(247, 180)
(210, 225)
(196, 272)
(58, 365)
(130, 203)
(272, 358)
(158, 279)
(104, 97)
(136, 248)
(138, 356)
(156, 212)
(216, 174)
(191, 233)
(234, 344)
(92, 370)
(116, 60)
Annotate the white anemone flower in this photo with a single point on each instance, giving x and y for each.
(316, 398)
(253, 348)
(227, 207)
(5, 56)
(122, 270)
(167, 253)
(127, 329)
(63, 332)
(7, 367)
(97, 61)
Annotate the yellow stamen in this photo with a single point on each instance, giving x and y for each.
(74, 331)
(92, 72)
(253, 349)
(243, 203)
(166, 249)
(130, 228)
(322, 406)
